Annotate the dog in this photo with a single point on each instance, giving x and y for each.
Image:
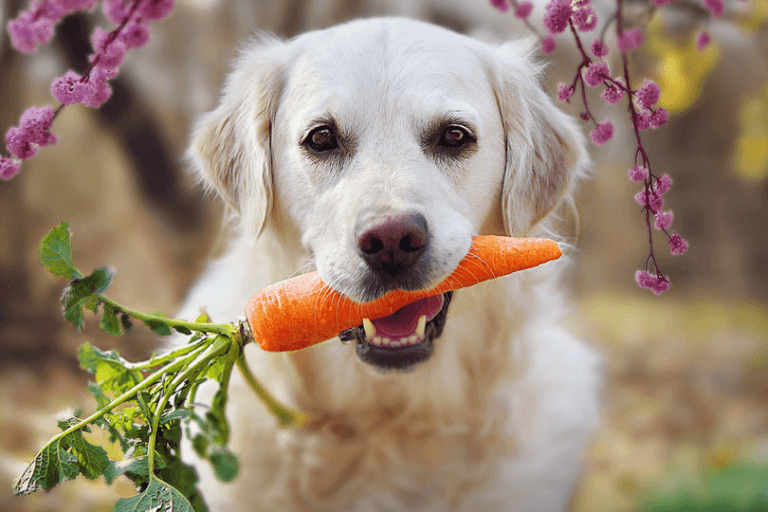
(372, 152)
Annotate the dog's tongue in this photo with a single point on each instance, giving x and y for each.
(403, 321)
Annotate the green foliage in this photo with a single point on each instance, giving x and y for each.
(82, 294)
(144, 407)
(739, 488)
(56, 253)
(157, 497)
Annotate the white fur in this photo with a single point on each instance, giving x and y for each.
(497, 418)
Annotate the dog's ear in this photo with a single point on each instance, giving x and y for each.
(546, 153)
(230, 147)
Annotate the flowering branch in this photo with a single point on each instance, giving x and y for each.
(593, 71)
(35, 27)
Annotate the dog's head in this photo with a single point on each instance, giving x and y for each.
(387, 144)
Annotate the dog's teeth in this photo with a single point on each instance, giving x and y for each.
(370, 329)
(413, 338)
(421, 326)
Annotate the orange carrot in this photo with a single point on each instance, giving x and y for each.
(302, 311)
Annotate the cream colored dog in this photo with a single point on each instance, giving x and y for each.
(373, 151)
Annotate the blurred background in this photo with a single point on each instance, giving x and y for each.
(687, 387)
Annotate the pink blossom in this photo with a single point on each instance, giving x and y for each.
(595, 73)
(77, 5)
(613, 94)
(109, 52)
(47, 9)
(655, 202)
(136, 35)
(154, 10)
(549, 44)
(638, 174)
(524, 9)
(663, 220)
(678, 245)
(654, 283)
(24, 141)
(101, 73)
(702, 41)
(36, 122)
(27, 32)
(644, 120)
(98, 92)
(18, 145)
(8, 168)
(69, 89)
(115, 10)
(663, 184)
(648, 94)
(558, 12)
(585, 19)
(659, 117)
(564, 92)
(500, 5)
(630, 40)
(599, 49)
(602, 132)
(715, 7)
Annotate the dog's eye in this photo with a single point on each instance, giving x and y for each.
(322, 139)
(455, 136)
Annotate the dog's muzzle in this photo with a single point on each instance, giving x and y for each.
(404, 338)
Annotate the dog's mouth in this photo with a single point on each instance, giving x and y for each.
(404, 338)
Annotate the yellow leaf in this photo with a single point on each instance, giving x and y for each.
(682, 68)
(751, 153)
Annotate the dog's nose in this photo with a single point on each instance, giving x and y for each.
(393, 243)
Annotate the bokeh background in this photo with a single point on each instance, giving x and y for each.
(687, 371)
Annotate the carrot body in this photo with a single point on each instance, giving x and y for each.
(302, 311)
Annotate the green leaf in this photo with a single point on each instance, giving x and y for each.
(79, 294)
(92, 459)
(51, 466)
(144, 398)
(226, 465)
(56, 253)
(178, 414)
(158, 326)
(110, 321)
(157, 497)
(183, 330)
(134, 468)
(102, 400)
(110, 370)
(125, 319)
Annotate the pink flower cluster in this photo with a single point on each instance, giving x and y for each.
(560, 14)
(24, 140)
(646, 97)
(656, 284)
(522, 9)
(629, 40)
(594, 71)
(35, 27)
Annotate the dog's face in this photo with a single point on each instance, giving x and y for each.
(387, 144)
